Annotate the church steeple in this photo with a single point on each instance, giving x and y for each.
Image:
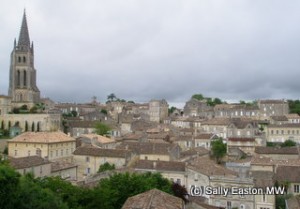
(22, 77)
(24, 34)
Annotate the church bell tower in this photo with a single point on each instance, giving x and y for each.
(22, 76)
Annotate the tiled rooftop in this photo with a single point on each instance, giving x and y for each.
(42, 137)
(153, 199)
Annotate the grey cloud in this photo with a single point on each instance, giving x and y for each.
(234, 50)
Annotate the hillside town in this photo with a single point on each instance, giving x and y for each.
(208, 144)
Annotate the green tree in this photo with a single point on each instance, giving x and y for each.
(172, 109)
(288, 143)
(218, 149)
(102, 129)
(9, 181)
(294, 106)
(73, 196)
(104, 111)
(111, 97)
(112, 192)
(31, 195)
(74, 113)
(106, 167)
(198, 96)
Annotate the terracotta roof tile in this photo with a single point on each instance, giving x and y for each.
(155, 199)
(42, 137)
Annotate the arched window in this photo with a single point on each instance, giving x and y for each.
(24, 59)
(18, 78)
(32, 127)
(25, 78)
(19, 59)
(38, 128)
(21, 97)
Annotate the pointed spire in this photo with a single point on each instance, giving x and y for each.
(24, 34)
(32, 48)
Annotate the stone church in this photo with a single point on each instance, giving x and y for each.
(23, 90)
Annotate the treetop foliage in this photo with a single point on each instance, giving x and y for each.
(210, 101)
(24, 192)
(102, 128)
(219, 149)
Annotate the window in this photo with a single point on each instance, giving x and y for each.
(88, 170)
(19, 59)
(67, 151)
(228, 205)
(28, 152)
(51, 153)
(264, 197)
(242, 206)
(297, 188)
(282, 132)
(178, 181)
(25, 78)
(16, 152)
(87, 159)
(146, 157)
(56, 153)
(16, 144)
(41, 169)
(24, 59)
(61, 152)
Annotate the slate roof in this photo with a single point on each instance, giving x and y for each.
(279, 118)
(95, 151)
(160, 165)
(288, 173)
(286, 125)
(153, 199)
(241, 139)
(277, 150)
(293, 202)
(27, 162)
(217, 121)
(209, 167)
(261, 160)
(60, 165)
(148, 148)
(204, 136)
(262, 179)
(195, 151)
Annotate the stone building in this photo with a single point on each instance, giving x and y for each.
(22, 76)
(158, 110)
(283, 132)
(51, 145)
(195, 107)
(269, 108)
(5, 106)
(23, 89)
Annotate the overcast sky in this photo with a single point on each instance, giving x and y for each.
(138, 49)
